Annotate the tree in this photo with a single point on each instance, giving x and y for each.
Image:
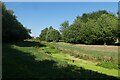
(94, 15)
(53, 35)
(118, 25)
(50, 27)
(92, 28)
(64, 30)
(107, 28)
(64, 25)
(43, 34)
(12, 29)
(50, 34)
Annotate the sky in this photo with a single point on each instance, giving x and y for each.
(60, 0)
(39, 15)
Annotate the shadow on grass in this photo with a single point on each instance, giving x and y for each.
(29, 44)
(18, 65)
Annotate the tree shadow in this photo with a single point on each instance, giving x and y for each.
(19, 65)
(29, 44)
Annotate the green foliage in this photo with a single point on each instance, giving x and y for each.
(93, 28)
(50, 34)
(107, 28)
(12, 29)
(64, 25)
(64, 30)
(93, 16)
(43, 34)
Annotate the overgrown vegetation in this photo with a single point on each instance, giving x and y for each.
(107, 59)
(109, 65)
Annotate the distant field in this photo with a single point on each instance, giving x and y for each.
(107, 48)
(58, 60)
(101, 49)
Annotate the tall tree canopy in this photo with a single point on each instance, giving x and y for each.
(64, 30)
(98, 27)
(50, 34)
(12, 29)
(43, 34)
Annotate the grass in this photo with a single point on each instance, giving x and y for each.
(109, 57)
(32, 59)
(87, 51)
(89, 66)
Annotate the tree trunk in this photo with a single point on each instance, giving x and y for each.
(104, 43)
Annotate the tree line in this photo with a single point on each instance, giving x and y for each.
(12, 29)
(100, 27)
